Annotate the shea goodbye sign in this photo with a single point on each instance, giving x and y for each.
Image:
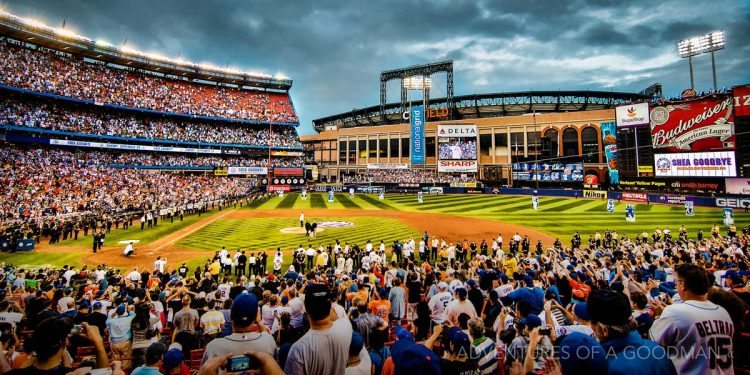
(706, 124)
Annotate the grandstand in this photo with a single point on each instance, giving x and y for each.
(90, 130)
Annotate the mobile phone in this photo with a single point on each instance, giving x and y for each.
(101, 371)
(78, 329)
(544, 332)
(241, 363)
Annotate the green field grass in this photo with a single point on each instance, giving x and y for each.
(559, 217)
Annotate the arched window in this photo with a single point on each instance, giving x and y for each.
(550, 144)
(570, 142)
(590, 145)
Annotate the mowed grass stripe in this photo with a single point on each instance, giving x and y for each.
(288, 201)
(316, 201)
(468, 200)
(565, 206)
(379, 204)
(346, 202)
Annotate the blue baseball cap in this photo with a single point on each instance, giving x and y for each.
(417, 359)
(403, 334)
(581, 311)
(582, 354)
(244, 309)
(532, 321)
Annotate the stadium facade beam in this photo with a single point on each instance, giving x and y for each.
(425, 70)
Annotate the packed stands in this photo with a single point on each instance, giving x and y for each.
(57, 73)
(53, 115)
(38, 181)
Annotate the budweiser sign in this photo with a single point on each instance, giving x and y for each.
(699, 125)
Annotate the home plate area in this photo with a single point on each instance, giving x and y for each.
(321, 227)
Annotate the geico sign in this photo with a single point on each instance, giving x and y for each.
(431, 113)
(732, 202)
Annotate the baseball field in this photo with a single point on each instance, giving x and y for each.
(274, 223)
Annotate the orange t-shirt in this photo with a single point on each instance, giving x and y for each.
(381, 308)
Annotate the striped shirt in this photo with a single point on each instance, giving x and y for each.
(485, 353)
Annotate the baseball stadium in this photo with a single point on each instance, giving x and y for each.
(136, 185)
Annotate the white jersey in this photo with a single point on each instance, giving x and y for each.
(504, 290)
(700, 333)
(438, 304)
(456, 152)
(224, 290)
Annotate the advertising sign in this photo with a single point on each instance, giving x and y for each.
(634, 197)
(129, 147)
(689, 210)
(609, 138)
(632, 115)
(571, 172)
(728, 216)
(535, 203)
(740, 186)
(596, 194)
(278, 188)
(630, 213)
(610, 205)
(696, 164)
(288, 171)
(457, 165)
(705, 124)
(387, 166)
(646, 169)
(247, 170)
(417, 135)
(741, 100)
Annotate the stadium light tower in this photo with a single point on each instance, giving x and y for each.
(697, 45)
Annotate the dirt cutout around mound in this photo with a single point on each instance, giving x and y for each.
(452, 228)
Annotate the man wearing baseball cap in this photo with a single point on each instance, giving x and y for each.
(438, 303)
(324, 349)
(244, 315)
(612, 321)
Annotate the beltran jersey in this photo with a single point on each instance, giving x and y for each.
(697, 336)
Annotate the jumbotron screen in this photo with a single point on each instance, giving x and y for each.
(457, 142)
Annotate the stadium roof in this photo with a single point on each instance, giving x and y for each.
(37, 33)
(487, 105)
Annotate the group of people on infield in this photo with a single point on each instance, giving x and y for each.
(653, 303)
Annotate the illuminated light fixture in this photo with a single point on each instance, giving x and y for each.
(417, 82)
(694, 46)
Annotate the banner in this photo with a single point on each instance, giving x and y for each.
(387, 166)
(381, 196)
(351, 192)
(705, 124)
(740, 186)
(632, 115)
(596, 194)
(417, 135)
(609, 138)
(247, 170)
(287, 153)
(326, 187)
(689, 210)
(630, 213)
(634, 197)
(646, 169)
(457, 165)
(304, 194)
(610, 205)
(420, 197)
(464, 184)
(330, 196)
(535, 203)
(128, 147)
(728, 216)
(741, 100)
(696, 164)
(220, 172)
(570, 172)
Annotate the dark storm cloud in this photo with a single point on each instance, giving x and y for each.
(335, 50)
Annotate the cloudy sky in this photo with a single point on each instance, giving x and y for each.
(335, 50)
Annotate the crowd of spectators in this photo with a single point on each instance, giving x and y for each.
(404, 176)
(51, 115)
(63, 74)
(651, 304)
(457, 149)
(38, 181)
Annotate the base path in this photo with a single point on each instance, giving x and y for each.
(452, 228)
